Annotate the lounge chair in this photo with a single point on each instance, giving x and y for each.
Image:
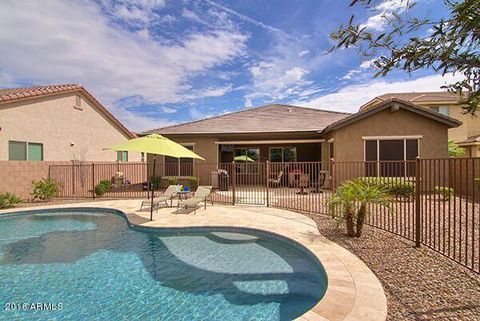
(200, 195)
(277, 181)
(169, 194)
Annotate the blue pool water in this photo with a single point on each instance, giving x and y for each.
(90, 265)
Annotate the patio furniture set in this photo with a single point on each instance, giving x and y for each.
(183, 196)
(298, 179)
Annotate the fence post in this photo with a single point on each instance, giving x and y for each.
(73, 177)
(93, 180)
(417, 202)
(332, 174)
(267, 183)
(234, 181)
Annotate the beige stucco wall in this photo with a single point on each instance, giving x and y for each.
(54, 122)
(349, 145)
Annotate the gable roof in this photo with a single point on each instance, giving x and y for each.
(417, 97)
(8, 95)
(263, 119)
(394, 103)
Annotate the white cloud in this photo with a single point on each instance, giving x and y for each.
(304, 53)
(250, 20)
(351, 97)
(136, 122)
(189, 14)
(169, 110)
(43, 44)
(385, 11)
(367, 64)
(276, 80)
(350, 74)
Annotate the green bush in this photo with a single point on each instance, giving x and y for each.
(191, 182)
(395, 186)
(8, 200)
(350, 201)
(445, 192)
(102, 187)
(45, 189)
(155, 180)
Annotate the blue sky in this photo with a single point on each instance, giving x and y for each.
(154, 63)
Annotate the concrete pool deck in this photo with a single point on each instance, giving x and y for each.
(353, 293)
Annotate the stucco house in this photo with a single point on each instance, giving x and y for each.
(446, 103)
(58, 123)
(394, 129)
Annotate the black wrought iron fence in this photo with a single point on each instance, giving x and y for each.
(434, 202)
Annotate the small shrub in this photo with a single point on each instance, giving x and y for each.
(445, 192)
(191, 182)
(349, 204)
(8, 200)
(155, 181)
(102, 187)
(395, 186)
(45, 189)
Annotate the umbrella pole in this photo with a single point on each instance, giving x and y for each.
(153, 186)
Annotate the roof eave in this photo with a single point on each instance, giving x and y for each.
(451, 122)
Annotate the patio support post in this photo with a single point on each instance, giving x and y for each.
(153, 187)
(417, 202)
(267, 176)
(332, 174)
(234, 181)
(93, 180)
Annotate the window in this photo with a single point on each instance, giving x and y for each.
(253, 153)
(142, 157)
(179, 166)
(25, 151)
(440, 109)
(35, 152)
(283, 154)
(122, 156)
(247, 167)
(381, 154)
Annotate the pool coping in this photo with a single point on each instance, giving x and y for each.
(353, 292)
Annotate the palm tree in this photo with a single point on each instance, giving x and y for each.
(350, 201)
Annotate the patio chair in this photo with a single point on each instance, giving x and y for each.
(276, 181)
(169, 194)
(200, 195)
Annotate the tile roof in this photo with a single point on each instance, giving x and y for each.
(471, 140)
(419, 97)
(263, 119)
(8, 95)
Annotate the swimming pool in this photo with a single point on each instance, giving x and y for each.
(90, 264)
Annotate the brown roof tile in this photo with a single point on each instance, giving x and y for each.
(269, 118)
(419, 97)
(8, 94)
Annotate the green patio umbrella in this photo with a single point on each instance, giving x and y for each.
(157, 145)
(243, 158)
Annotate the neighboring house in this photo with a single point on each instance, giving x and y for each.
(58, 123)
(446, 103)
(392, 130)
